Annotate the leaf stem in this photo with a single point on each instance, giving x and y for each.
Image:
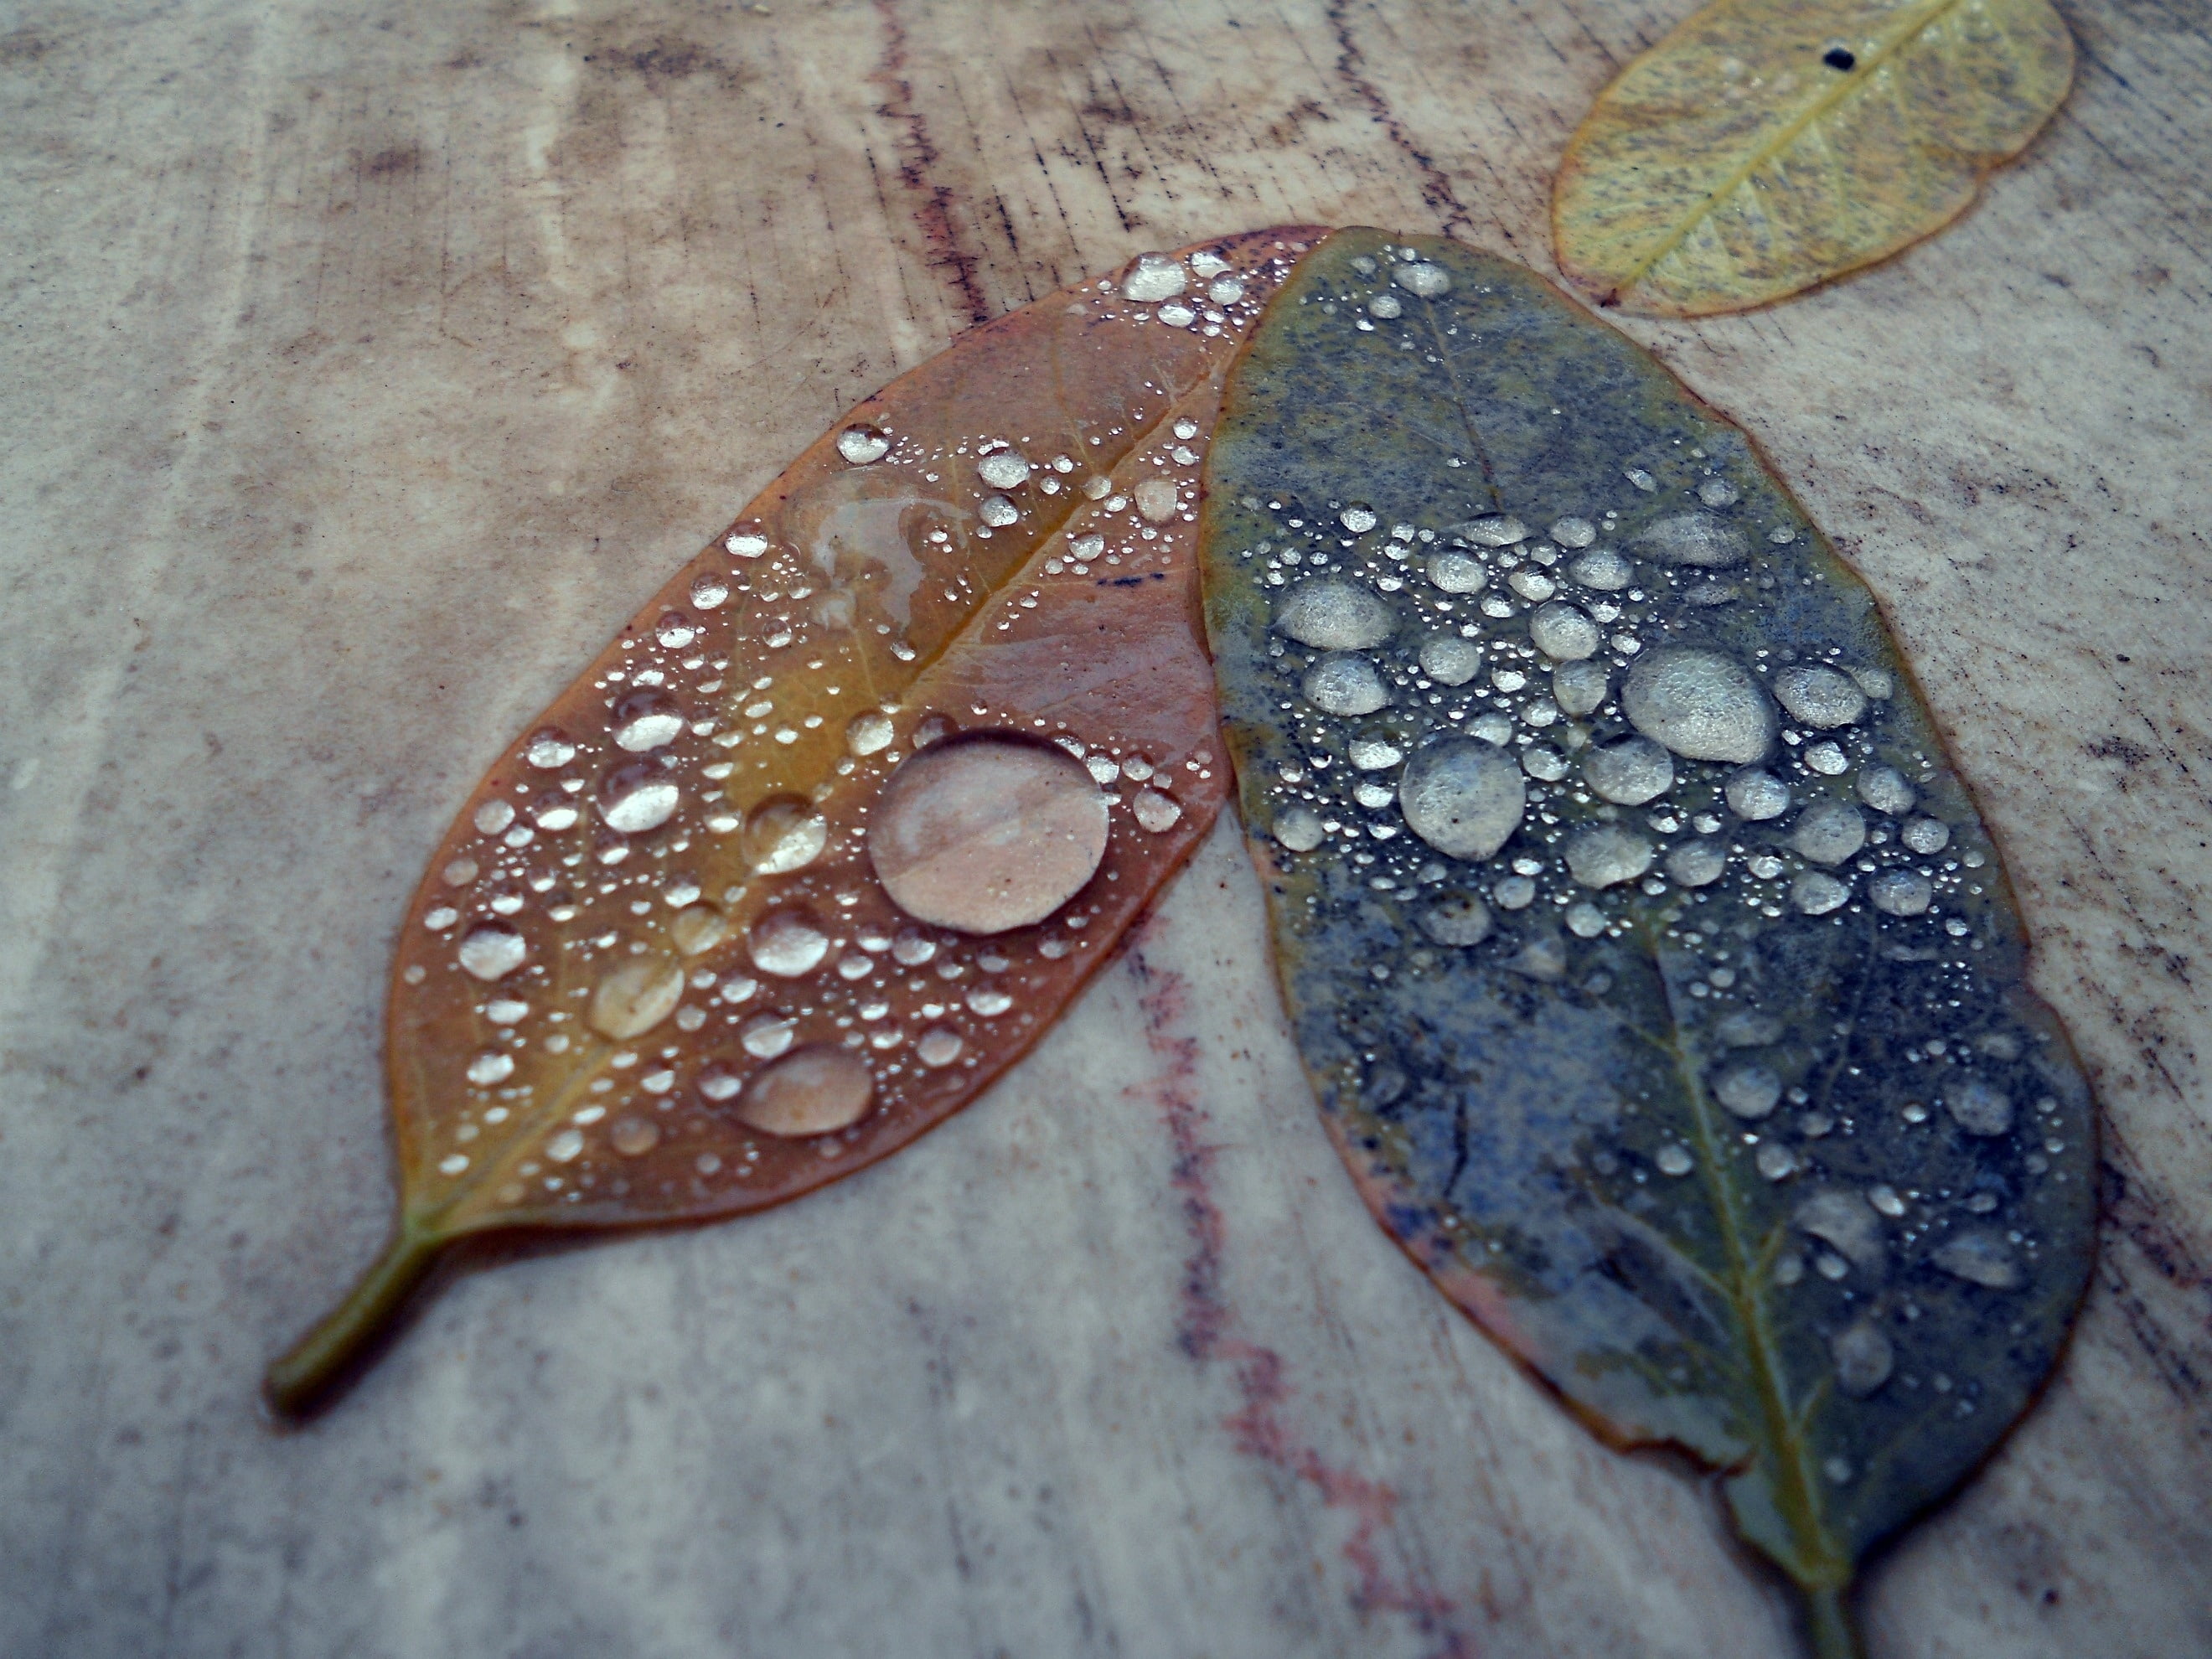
(326, 1354)
(1828, 1621)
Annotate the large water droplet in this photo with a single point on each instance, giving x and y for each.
(1756, 795)
(787, 942)
(1155, 813)
(1562, 633)
(550, 749)
(784, 834)
(1981, 1259)
(1458, 920)
(490, 1068)
(675, 631)
(634, 1137)
(1299, 829)
(1863, 1357)
(1343, 683)
(1580, 687)
(1749, 1091)
(1701, 705)
(1004, 469)
(492, 951)
(1451, 660)
(987, 833)
(1456, 572)
(1697, 863)
(1359, 517)
(1980, 1107)
(647, 720)
(1829, 831)
(1926, 836)
(697, 928)
(1422, 279)
(1572, 533)
(1462, 798)
(815, 1090)
(1816, 893)
(1332, 615)
(636, 798)
(938, 1047)
(634, 997)
(1607, 856)
(1157, 500)
(861, 445)
(1154, 277)
(708, 591)
(748, 539)
(1884, 788)
(1901, 893)
(1695, 539)
(1629, 771)
(764, 1036)
(998, 512)
(1493, 530)
(1820, 696)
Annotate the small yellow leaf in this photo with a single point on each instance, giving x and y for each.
(1768, 145)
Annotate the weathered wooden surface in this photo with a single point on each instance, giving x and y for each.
(367, 365)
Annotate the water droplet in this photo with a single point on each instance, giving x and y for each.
(1456, 919)
(490, 1068)
(698, 928)
(633, 998)
(506, 1010)
(868, 732)
(634, 1137)
(492, 816)
(1358, 519)
(1004, 469)
(1330, 615)
(675, 629)
(1462, 798)
(708, 591)
(1827, 759)
(1532, 584)
(1979, 1107)
(1154, 277)
(553, 812)
(787, 942)
(1574, 533)
(1900, 893)
(1493, 530)
(764, 1036)
(549, 749)
(1774, 1161)
(1829, 831)
(1884, 788)
(1838, 1218)
(1451, 660)
(1342, 683)
(1673, 1160)
(815, 1090)
(636, 798)
(1926, 836)
(861, 446)
(988, 834)
(1156, 499)
(1607, 856)
(1756, 795)
(1629, 771)
(492, 952)
(1225, 292)
(1816, 893)
(1719, 492)
(1155, 813)
(1299, 829)
(1580, 687)
(748, 539)
(452, 1165)
(1699, 704)
(1585, 920)
(990, 1000)
(565, 1147)
(784, 834)
(938, 1047)
(1423, 280)
(647, 720)
(1749, 1091)
(1981, 1259)
(1695, 539)
(1884, 1198)
(998, 512)
(1697, 863)
(1603, 569)
(1458, 573)
(913, 947)
(1820, 696)
(1863, 1359)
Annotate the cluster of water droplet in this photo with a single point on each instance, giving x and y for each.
(1527, 734)
(715, 988)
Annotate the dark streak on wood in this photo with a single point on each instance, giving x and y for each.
(940, 228)
(1453, 218)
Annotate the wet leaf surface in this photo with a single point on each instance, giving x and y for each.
(1767, 145)
(829, 834)
(1661, 985)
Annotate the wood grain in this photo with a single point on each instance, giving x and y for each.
(368, 364)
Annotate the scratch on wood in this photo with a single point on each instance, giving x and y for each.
(917, 156)
(1207, 1331)
(1437, 193)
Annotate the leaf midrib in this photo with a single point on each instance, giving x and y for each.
(1847, 85)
